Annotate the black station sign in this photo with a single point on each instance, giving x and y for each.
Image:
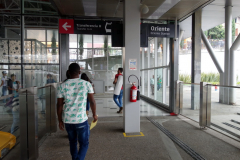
(161, 30)
(93, 27)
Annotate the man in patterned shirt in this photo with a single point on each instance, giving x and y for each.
(74, 92)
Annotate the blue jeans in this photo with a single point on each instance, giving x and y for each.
(118, 99)
(78, 133)
(88, 105)
(4, 92)
(15, 123)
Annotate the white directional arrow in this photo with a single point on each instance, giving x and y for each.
(65, 26)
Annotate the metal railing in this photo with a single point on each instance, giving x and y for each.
(203, 103)
(36, 119)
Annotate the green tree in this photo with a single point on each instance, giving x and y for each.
(54, 44)
(233, 30)
(217, 32)
(182, 44)
(81, 44)
(105, 44)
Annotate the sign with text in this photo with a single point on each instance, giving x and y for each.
(161, 30)
(132, 64)
(93, 27)
(66, 26)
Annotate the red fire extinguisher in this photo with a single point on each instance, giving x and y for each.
(133, 93)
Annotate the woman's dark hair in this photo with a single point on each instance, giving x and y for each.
(73, 70)
(67, 75)
(84, 77)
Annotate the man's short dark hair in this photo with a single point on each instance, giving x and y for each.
(73, 69)
(12, 75)
(120, 69)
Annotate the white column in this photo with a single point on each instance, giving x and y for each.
(155, 65)
(228, 43)
(131, 51)
(164, 74)
(143, 82)
(148, 71)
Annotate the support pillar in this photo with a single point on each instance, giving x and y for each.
(228, 43)
(143, 79)
(196, 58)
(64, 55)
(164, 70)
(131, 110)
(155, 70)
(233, 76)
(173, 65)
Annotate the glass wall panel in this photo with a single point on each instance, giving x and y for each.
(114, 59)
(10, 6)
(84, 41)
(111, 78)
(11, 69)
(39, 7)
(52, 46)
(96, 57)
(151, 53)
(160, 51)
(101, 76)
(73, 55)
(152, 79)
(146, 85)
(100, 63)
(36, 34)
(73, 43)
(101, 41)
(85, 53)
(40, 75)
(146, 56)
(158, 85)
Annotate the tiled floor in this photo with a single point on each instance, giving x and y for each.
(106, 107)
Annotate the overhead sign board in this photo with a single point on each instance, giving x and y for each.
(161, 30)
(66, 26)
(93, 27)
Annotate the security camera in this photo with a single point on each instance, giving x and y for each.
(144, 9)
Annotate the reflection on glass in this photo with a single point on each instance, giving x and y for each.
(84, 41)
(40, 75)
(101, 41)
(42, 95)
(4, 51)
(145, 83)
(191, 110)
(146, 56)
(36, 34)
(114, 62)
(73, 43)
(158, 85)
(100, 63)
(151, 56)
(73, 55)
(111, 78)
(160, 52)
(84, 53)
(85, 64)
(101, 76)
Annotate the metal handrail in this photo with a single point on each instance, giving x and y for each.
(7, 96)
(154, 68)
(224, 86)
(43, 87)
(192, 83)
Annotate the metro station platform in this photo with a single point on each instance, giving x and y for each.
(108, 142)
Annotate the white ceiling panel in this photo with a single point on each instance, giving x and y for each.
(212, 15)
